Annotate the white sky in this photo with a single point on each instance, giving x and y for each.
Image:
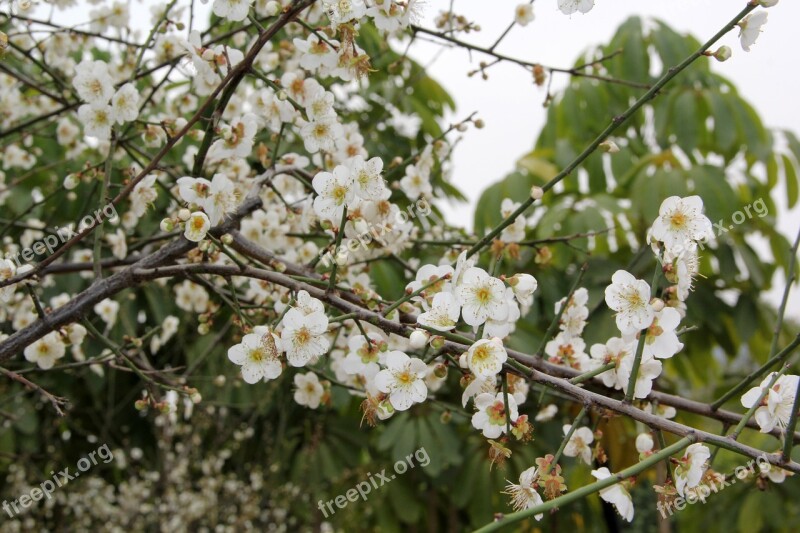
(511, 105)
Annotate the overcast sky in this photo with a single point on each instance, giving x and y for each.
(511, 106)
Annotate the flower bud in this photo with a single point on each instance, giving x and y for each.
(440, 371)
(479, 123)
(272, 8)
(462, 127)
(203, 329)
(609, 147)
(184, 214)
(537, 192)
(227, 239)
(71, 181)
(437, 343)
(208, 55)
(446, 417)
(767, 3)
(140, 405)
(657, 304)
(167, 225)
(219, 381)
(723, 54)
(418, 339)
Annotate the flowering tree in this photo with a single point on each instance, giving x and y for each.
(263, 306)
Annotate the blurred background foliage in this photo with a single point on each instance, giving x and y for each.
(698, 137)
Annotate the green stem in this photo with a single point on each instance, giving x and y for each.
(565, 441)
(757, 404)
(551, 329)
(637, 359)
(409, 296)
(586, 490)
(757, 373)
(339, 235)
(616, 122)
(788, 440)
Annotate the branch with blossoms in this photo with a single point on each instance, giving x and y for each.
(265, 155)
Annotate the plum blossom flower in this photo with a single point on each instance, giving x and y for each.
(750, 28)
(524, 285)
(93, 82)
(363, 351)
(613, 351)
(649, 369)
(491, 415)
(523, 14)
(630, 298)
(481, 297)
(579, 444)
(681, 223)
(615, 495)
(524, 495)
(662, 340)
(321, 134)
(568, 7)
(197, 226)
(125, 104)
(236, 139)
(369, 183)
(303, 336)
(235, 10)
(97, 121)
(443, 314)
(46, 351)
(403, 380)
(485, 358)
(308, 390)
(776, 407)
(334, 192)
(221, 199)
(8, 271)
(143, 195)
(691, 467)
(258, 354)
(416, 183)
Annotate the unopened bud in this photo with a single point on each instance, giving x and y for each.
(446, 417)
(167, 225)
(723, 54)
(609, 147)
(203, 329)
(219, 381)
(479, 123)
(537, 192)
(184, 214)
(71, 181)
(272, 8)
(227, 238)
(462, 127)
(418, 339)
(657, 304)
(140, 405)
(437, 343)
(282, 96)
(767, 3)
